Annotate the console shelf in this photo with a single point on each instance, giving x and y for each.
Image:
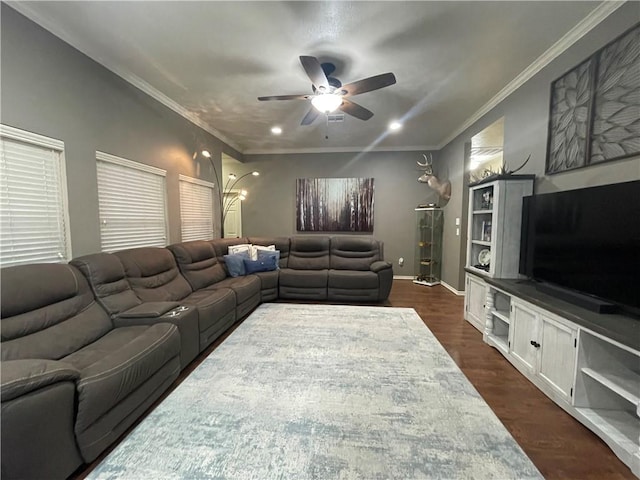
(625, 383)
(619, 430)
(499, 342)
(504, 316)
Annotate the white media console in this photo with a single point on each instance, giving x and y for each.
(587, 363)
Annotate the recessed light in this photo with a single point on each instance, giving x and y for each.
(276, 130)
(205, 153)
(393, 126)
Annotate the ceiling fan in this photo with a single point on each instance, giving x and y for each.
(330, 95)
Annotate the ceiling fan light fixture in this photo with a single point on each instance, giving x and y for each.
(327, 102)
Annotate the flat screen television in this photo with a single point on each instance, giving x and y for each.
(586, 241)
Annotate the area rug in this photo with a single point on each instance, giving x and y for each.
(322, 392)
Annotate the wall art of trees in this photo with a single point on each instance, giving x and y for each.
(334, 204)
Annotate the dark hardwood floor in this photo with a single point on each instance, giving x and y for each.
(560, 446)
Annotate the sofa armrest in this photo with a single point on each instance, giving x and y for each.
(20, 377)
(149, 310)
(379, 266)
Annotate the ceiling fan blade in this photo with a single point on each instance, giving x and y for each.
(285, 97)
(310, 116)
(314, 70)
(355, 110)
(369, 84)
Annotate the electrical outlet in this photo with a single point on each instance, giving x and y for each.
(401, 261)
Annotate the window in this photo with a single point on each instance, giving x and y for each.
(34, 218)
(131, 199)
(196, 209)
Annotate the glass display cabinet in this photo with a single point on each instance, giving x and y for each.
(428, 257)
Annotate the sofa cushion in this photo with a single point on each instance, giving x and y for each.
(264, 264)
(198, 263)
(212, 305)
(235, 264)
(309, 253)
(255, 249)
(268, 255)
(282, 245)
(121, 375)
(153, 274)
(303, 278)
(117, 364)
(244, 287)
(48, 311)
(302, 284)
(268, 280)
(353, 253)
(351, 279)
(221, 245)
(107, 280)
(240, 248)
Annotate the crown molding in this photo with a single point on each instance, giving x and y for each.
(602, 11)
(25, 9)
(286, 151)
(171, 104)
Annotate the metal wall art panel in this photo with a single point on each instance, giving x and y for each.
(568, 122)
(334, 204)
(595, 108)
(616, 113)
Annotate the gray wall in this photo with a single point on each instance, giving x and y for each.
(526, 114)
(51, 89)
(270, 207)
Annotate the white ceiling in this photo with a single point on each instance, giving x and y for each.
(211, 60)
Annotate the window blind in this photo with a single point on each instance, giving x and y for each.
(132, 204)
(34, 222)
(196, 209)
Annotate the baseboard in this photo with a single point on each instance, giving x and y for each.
(451, 289)
(444, 284)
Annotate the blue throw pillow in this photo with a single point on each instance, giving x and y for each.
(266, 265)
(235, 264)
(266, 254)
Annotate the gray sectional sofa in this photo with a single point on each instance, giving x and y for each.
(89, 346)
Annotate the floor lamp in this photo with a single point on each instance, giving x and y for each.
(224, 202)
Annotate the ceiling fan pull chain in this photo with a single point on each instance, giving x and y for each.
(326, 134)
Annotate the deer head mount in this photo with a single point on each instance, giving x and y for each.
(443, 188)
